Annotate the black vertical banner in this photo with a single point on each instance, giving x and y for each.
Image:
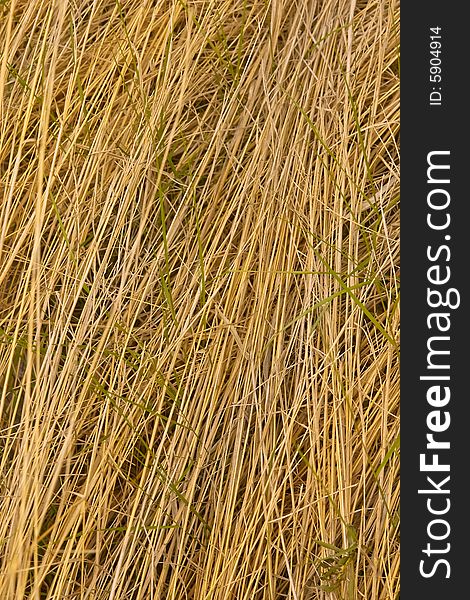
(435, 248)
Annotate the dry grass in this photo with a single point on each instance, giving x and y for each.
(199, 299)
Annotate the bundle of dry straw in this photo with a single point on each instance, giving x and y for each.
(199, 299)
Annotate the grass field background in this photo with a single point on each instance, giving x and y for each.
(199, 317)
